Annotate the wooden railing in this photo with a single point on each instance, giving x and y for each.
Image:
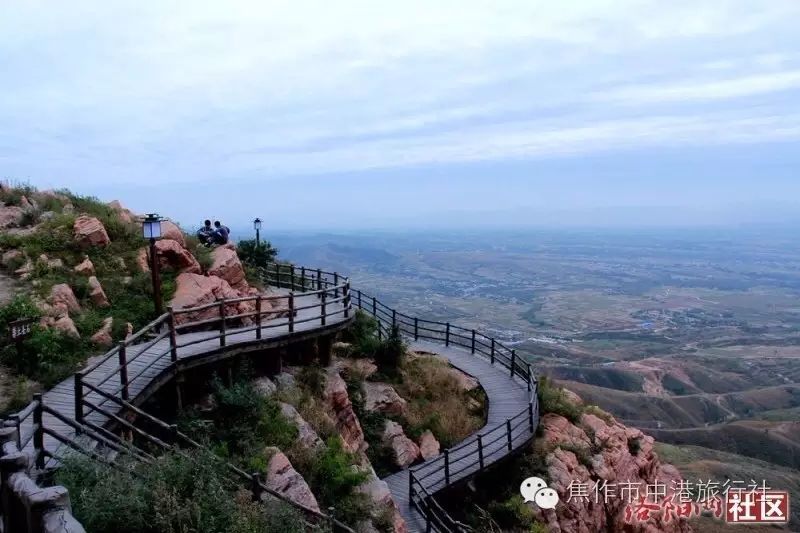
(479, 451)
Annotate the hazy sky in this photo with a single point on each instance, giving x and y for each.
(375, 113)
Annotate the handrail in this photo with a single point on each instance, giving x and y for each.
(477, 452)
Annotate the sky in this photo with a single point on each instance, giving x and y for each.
(378, 114)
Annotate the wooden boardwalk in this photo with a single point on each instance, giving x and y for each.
(507, 397)
(153, 363)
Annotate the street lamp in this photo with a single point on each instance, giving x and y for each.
(257, 226)
(151, 230)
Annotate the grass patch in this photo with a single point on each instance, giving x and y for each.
(552, 399)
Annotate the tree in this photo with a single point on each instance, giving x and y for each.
(256, 256)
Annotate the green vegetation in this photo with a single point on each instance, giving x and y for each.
(256, 256)
(176, 493)
(553, 399)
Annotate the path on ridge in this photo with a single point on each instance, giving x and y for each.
(507, 397)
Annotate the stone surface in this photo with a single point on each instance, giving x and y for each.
(174, 257)
(85, 268)
(359, 369)
(97, 294)
(428, 445)
(284, 479)
(613, 463)
(10, 256)
(381, 497)
(264, 386)
(125, 215)
(382, 397)
(306, 435)
(465, 381)
(66, 325)
(405, 451)
(90, 232)
(103, 336)
(142, 260)
(62, 298)
(227, 266)
(170, 230)
(346, 420)
(11, 216)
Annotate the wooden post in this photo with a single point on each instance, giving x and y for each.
(324, 311)
(123, 370)
(394, 318)
(492, 350)
(38, 434)
(173, 336)
(346, 299)
(416, 328)
(319, 282)
(335, 284)
(508, 432)
(258, 317)
(255, 487)
(410, 485)
(359, 300)
(375, 308)
(473, 341)
(303, 279)
(446, 468)
(291, 312)
(291, 273)
(513, 361)
(428, 522)
(528, 365)
(79, 397)
(530, 415)
(447, 335)
(222, 322)
(480, 450)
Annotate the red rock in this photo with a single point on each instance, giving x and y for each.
(125, 215)
(378, 492)
(306, 436)
(62, 297)
(66, 325)
(428, 445)
(227, 266)
(171, 231)
(173, 256)
(193, 290)
(382, 398)
(11, 216)
(405, 450)
(10, 256)
(284, 479)
(85, 268)
(346, 420)
(90, 232)
(103, 335)
(97, 294)
(143, 261)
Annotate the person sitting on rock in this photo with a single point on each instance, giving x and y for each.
(205, 234)
(221, 233)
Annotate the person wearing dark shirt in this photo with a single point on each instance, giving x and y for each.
(206, 233)
(221, 233)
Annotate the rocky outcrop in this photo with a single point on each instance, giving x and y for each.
(97, 294)
(405, 451)
(306, 435)
(90, 232)
(428, 445)
(606, 457)
(103, 336)
(143, 260)
(264, 386)
(359, 369)
(10, 257)
(382, 398)
(63, 299)
(174, 257)
(171, 231)
(126, 216)
(85, 268)
(227, 266)
(66, 325)
(381, 497)
(345, 418)
(51, 263)
(11, 216)
(284, 479)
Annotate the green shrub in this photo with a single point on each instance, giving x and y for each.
(634, 445)
(256, 256)
(552, 399)
(46, 355)
(582, 453)
(390, 352)
(334, 481)
(21, 306)
(312, 379)
(174, 494)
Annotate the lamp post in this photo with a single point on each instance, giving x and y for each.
(151, 230)
(257, 227)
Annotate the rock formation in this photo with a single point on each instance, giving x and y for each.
(306, 435)
(404, 449)
(171, 231)
(381, 497)
(85, 268)
(346, 420)
(284, 479)
(63, 299)
(66, 325)
(227, 266)
(382, 397)
(172, 256)
(428, 445)
(11, 216)
(103, 335)
(97, 294)
(90, 232)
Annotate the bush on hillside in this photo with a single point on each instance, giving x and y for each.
(256, 256)
(174, 494)
(552, 399)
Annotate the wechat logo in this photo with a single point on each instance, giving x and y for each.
(534, 489)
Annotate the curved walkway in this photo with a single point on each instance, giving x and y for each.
(506, 397)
